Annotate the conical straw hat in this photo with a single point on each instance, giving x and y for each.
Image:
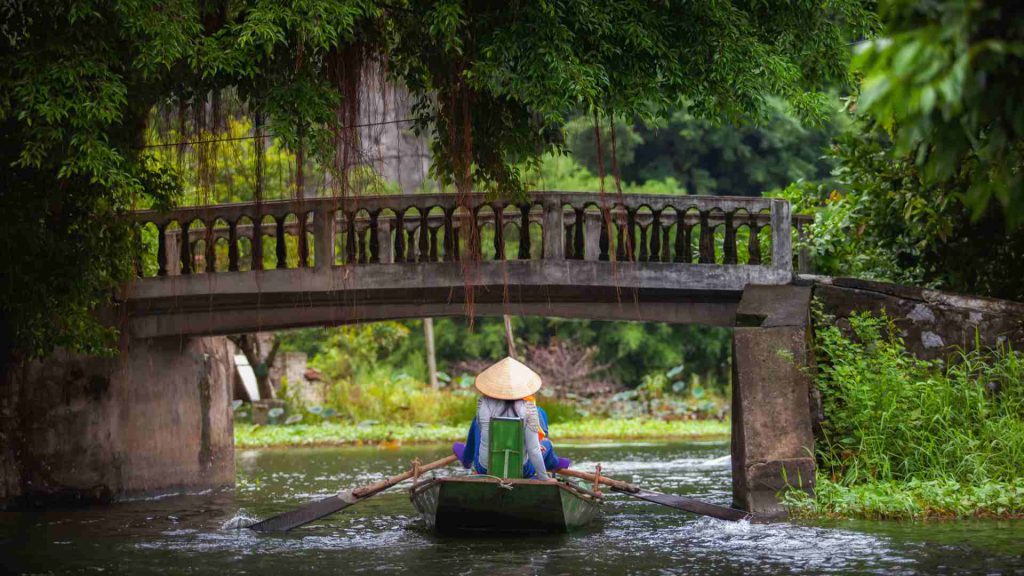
(508, 379)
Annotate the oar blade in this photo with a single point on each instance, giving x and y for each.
(691, 505)
(309, 513)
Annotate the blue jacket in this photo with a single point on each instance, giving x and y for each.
(470, 456)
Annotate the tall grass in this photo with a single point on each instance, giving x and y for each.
(932, 428)
(891, 416)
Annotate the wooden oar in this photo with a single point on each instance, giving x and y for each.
(677, 502)
(318, 509)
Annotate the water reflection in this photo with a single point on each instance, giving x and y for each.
(194, 534)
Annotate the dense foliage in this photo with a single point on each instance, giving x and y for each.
(945, 79)
(928, 182)
(79, 81)
(877, 217)
(702, 156)
(630, 350)
(894, 420)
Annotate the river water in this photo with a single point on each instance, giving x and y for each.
(187, 534)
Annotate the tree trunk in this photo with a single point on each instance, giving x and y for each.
(250, 346)
(263, 377)
(428, 333)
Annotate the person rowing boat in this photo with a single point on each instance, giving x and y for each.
(507, 391)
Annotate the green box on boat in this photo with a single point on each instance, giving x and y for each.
(506, 449)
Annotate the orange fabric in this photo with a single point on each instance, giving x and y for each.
(540, 433)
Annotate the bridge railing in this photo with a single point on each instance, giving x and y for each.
(435, 228)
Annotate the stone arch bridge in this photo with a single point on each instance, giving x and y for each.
(721, 261)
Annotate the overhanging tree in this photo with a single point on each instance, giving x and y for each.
(493, 82)
(946, 80)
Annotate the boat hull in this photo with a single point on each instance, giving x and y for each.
(484, 504)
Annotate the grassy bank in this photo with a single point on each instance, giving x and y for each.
(916, 499)
(336, 434)
(905, 438)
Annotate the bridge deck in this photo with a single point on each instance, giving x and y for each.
(668, 258)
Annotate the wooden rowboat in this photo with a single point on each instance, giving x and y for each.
(488, 504)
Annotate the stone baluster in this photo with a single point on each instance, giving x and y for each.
(644, 255)
(684, 252)
(729, 244)
(186, 251)
(656, 236)
(754, 241)
(423, 254)
(707, 240)
(604, 234)
(374, 247)
(281, 245)
(450, 246)
(432, 254)
(399, 255)
(233, 246)
(631, 225)
(567, 234)
(524, 231)
(620, 238)
(161, 249)
(499, 232)
(456, 228)
(257, 241)
(350, 237)
(554, 230)
(666, 248)
(362, 255)
(211, 248)
(303, 239)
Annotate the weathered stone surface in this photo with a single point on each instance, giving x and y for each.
(155, 420)
(770, 306)
(227, 303)
(772, 440)
(933, 324)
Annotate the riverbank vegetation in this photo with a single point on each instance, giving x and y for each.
(370, 381)
(927, 186)
(391, 435)
(904, 437)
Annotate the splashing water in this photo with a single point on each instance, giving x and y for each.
(242, 519)
(203, 534)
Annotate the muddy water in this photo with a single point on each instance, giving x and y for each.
(186, 534)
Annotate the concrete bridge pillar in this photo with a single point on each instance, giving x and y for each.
(156, 419)
(772, 436)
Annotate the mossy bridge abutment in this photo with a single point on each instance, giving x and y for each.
(157, 418)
